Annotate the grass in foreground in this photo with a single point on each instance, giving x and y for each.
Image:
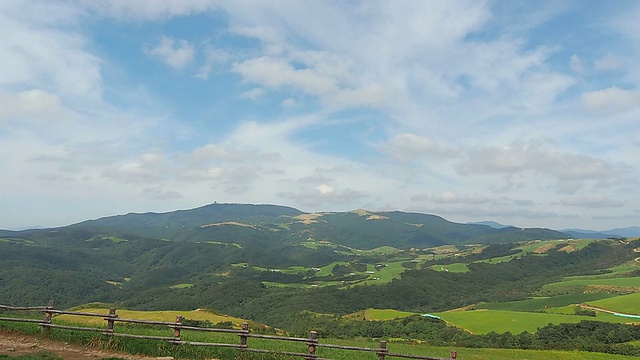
(35, 356)
(159, 348)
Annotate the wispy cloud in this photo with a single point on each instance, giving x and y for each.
(175, 53)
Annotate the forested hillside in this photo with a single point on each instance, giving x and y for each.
(278, 266)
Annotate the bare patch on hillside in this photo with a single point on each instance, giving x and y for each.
(568, 248)
(444, 249)
(544, 248)
(308, 219)
(229, 223)
(416, 225)
(369, 214)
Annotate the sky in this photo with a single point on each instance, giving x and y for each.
(521, 112)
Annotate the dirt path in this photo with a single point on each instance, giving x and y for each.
(13, 344)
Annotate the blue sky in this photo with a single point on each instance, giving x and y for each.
(525, 113)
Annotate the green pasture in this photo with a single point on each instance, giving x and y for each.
(633, 283)
(391, 270)
(115, 239)
(312, 244)
(625, 304)
(535, 245)
(500, 321)
(443, 249)
(164, 315)
(384, 314)
(455, 267)
(531, 247)
(616, 271)
(277, 284)
(539, 304)
(223, 243)
(326, 270)
(295, 270)
(499, 259)
(18, 241)
(182, 286)
(383, 250)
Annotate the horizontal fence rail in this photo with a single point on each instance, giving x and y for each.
(244, 334)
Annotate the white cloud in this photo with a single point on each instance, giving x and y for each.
(608, 62)
(148, 9)
(161, 194)
(289, 102)
(253, 94)
(450, 197)
(28, 105)
(591, 201)
(374, 96)
(215, 60)
(570, 171)
(175, 53)
(575, 63)
(325, 189)
(42, 49)
(277, 73)
(611, 100)
(409, 147)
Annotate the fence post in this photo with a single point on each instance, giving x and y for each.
(243, 336)
(111, 320)
(313, 341)
(176, 331)
(47, 317)
(383, 350)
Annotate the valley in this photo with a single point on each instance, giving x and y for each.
(356, 274)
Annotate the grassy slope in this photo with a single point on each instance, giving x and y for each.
(168, 315)
(455, 267)
(485, 321)
(627, 304)
(539, 304)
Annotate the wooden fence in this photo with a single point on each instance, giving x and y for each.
(243, 334)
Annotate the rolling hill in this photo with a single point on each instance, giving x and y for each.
(271, 225)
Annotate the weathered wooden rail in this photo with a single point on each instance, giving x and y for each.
(243, 334)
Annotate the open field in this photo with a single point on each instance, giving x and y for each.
(455, 267)
(167, 315)
(389, 271)
(485, 321)
(629, 284)
(541, 247)
(539, 304)
(626, 304)
(379, 314)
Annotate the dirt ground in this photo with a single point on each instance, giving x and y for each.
(13, 344)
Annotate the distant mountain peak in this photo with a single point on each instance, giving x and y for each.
(493, 224)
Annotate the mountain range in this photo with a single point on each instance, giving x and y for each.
(246, 224)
